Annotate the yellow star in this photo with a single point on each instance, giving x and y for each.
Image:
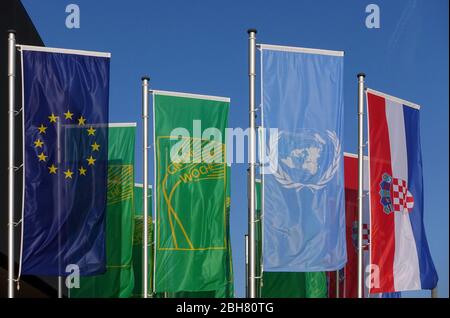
(42, 129)
(91, 161)
(91, 131)
(38, 143)
(68, 114)
(81, 121)
(42, 157)
(53, 118)
(95, 146)
(68, 174)
(52, 169)
(82, 171)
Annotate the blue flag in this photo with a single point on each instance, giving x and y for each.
(65, 97)
(303, 186)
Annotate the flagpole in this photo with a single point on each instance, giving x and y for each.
(434, 293)
(11, 159)
(246, 264)
(58, 143)
(145, 83)
(337, 284)
(361, 77)
(252, 163)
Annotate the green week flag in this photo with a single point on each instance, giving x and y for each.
(118, 281)
(286, 284)
(192, 240)
(227, 291)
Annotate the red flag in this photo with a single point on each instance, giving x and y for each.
(349, 278)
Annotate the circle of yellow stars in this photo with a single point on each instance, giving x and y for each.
(39, 145)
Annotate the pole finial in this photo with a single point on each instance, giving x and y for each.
(252, 31)
(11, 31)
(361, 75)
(145, 77)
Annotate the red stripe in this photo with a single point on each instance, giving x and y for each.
(351, 173)
(383, 226)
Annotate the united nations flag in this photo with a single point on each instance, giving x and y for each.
(66, 160)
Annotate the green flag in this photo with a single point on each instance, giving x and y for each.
(118, 281)
(285, 284)
(138, 240)
(227, 290)
(191, 212)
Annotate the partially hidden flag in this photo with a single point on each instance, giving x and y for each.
(285, 284)
(303, 185)
(118, 280)
(400, 255)
(65, 96)
(191, 188)
(348, 278)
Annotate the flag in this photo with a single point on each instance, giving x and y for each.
(118, 280)
(285, 284)
(138, 252)
(391, 295)
(191, 186)
(226, 291)
(349, 276)
(399, 247)
(294, 285)
(303, 186)
(65, 113)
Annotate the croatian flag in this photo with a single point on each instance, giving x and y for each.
(400, 256)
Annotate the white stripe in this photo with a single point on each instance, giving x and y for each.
(189, 95)
(406, 261)
(63, 51)
(365, 168)
(112, 125)
(393, 98)
(294, 49)
(140, 185)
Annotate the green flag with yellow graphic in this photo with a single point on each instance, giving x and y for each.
(227, 291)
(118, 281)
(192, 240)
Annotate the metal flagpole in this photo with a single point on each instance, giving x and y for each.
(246, 264)
(337, 284)
(434, 293)
(60, 287)
(361, 77)
(145, 83)
(58, 142)
(11, 159)
(252, 163)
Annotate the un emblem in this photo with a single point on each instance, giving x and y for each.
(306, 159)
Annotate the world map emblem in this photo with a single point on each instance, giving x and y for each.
(394, 195)
(307, 159)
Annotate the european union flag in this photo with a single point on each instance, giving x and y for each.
(65, 97)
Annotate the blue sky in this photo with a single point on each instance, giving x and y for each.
(200, 46)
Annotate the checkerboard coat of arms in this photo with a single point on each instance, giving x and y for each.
(394, 195)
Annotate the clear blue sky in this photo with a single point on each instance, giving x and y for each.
(201, 47)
